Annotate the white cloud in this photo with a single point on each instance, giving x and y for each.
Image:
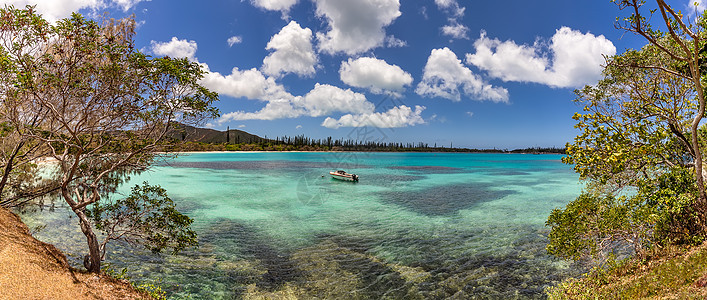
(127, 4)
(471, 114)
(452, 6)
(241, 126)
(576, 59)
(696, 10)
(234, 40)
(445, 76)
(245, 83)
(374, 74)
(399, 116)
(175, 48)
(322, 100)
(275, 109)
(456, 30)
(251, 84)
(355, 26)
(275, 5)
(293, 52)
(393, 42)
(325, 99)
(53, 10)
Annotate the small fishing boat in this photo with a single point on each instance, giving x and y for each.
(342, 175)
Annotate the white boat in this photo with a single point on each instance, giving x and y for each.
(342, 175)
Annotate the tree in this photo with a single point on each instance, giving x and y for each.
(108, 106)
(19, 182)
(641, 132)
(683, 47)
(147, 217)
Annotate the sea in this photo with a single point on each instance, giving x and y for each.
(416, 226)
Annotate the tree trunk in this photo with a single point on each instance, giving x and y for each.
(93, 263)
(8, 167)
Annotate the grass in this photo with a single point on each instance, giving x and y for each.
(670, 274)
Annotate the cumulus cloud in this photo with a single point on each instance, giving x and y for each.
(275, 5)
(293, 52)
(322, 100)
(374, 74)
(445, 76)
(355, 26)
(58, 9)
(456, 30)
(576, 59)
(325, 99)
(399, 116)
(251, 84)
(275, 109)
(175, 48)
(234, 40)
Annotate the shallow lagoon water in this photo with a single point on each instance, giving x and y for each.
(417, 225)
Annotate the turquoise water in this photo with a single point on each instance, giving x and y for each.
(417, 225)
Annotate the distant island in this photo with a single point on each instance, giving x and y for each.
(206, 139)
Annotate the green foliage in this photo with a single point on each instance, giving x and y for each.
(80, 91)
(628, 126)
(635, 140)
(641, 133)
(591, 226)
(660, 213)
(151, 290)
(671, 199)
(147, 217)
(110, 271)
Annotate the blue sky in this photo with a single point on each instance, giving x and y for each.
(478, 74)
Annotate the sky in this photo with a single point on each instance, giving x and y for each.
(467, 73)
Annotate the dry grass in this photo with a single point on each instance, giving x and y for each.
(30, 269)
(677, 273)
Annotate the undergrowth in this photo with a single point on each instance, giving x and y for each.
(153, 291)
(668, 273)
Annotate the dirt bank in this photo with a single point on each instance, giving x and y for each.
(30, 269)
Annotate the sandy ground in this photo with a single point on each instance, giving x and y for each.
(30, 269)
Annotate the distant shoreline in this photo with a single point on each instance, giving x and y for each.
(359, 151)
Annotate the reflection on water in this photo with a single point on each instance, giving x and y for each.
(417, 226)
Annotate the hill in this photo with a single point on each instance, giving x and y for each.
(206, 135)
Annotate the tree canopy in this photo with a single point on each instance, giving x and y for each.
(641, 142)
(80, 93)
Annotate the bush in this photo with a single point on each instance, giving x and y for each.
(600, 227)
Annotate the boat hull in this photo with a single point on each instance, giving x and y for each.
(343, 177)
